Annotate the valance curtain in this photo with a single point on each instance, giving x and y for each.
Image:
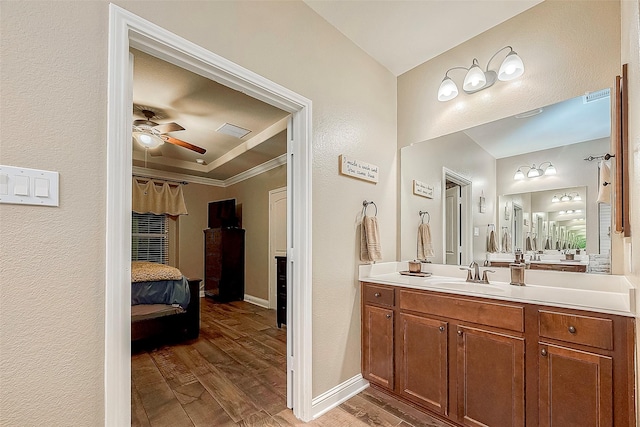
(158, 198)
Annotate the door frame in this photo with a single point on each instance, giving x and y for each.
(128, 30)
(466, 217)
(272, 263)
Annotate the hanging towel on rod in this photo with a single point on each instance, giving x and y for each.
(528, 243)
(492, 241)
(604, 192)
(506, 241)
(425, 247)
(370, 249)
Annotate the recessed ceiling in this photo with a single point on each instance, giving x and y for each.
(402, 34)
(202, 106)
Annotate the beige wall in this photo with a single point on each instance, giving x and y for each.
(53, 116)
(252, 200)
(424, 162)
(252, 197)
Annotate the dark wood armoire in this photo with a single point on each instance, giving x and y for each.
(224, 263)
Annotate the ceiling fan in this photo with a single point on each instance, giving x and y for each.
(151, 134)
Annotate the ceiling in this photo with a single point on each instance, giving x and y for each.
(387, 30)
(568, 122)
(402, 34)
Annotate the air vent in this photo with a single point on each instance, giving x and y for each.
(529, 113)
(233, 130)
(594, 96)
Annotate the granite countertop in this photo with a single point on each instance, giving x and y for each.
(611, 294)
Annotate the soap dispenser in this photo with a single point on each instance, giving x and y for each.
(517, 269)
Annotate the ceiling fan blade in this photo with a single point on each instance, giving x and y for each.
(168, 127)
(184, 144)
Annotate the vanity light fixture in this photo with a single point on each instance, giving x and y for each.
(567, 197)
(476, 80)
(534, 171)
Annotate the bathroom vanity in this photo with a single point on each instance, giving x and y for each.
(557, 352)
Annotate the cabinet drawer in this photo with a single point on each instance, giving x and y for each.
(498, 315)
(379, 295)
(590, 331)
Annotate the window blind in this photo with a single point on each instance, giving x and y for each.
(149, 238)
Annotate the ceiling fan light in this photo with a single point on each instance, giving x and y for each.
(475, 79)
(512, 67)
(148, 140)
(448, 90)
(518, 175)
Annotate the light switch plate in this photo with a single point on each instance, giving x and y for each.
(24, 186)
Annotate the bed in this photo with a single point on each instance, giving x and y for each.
(164, 303)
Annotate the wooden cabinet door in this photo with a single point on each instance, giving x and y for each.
(490, 376)
(575, 388)
(378, 346)
(422, 362)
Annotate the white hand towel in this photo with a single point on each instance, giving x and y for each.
(492, 243)
(604, 193)
(370, 239)
(425, 247)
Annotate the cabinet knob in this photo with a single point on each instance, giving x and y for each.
(543, 352)
(388, 316)
(460, 333)
(377, 295)
(572, 330)
(441, 328)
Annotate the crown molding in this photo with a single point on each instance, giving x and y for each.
(243, 176)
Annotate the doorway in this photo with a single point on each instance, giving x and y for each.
(130, 31)
(457, 224)
(277, 238)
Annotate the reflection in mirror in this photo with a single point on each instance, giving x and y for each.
(553, 142)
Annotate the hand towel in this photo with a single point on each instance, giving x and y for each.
(370, 249)
(492, 243)
(505, 241)
(604, 193)
(534, 243)
(528, 244)
(425, 247)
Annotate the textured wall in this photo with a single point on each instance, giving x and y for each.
(53, 116)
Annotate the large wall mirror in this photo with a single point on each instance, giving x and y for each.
(533, 181)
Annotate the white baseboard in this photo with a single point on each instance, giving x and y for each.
(257, 301)
(332, 398)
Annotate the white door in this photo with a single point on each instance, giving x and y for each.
(277, 236)
(452, 238)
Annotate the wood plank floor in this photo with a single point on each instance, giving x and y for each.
(234, 375)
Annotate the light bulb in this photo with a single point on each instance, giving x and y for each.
(518, 175)
(475, 79)
(550, 170)
(555, 199)
(512, 67)
(565, 198)
(577, 198)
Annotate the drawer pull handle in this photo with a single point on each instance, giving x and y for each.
(544, 352)
(388, 316)
(377, 295)
(460, 333)
(572, 330)
(441, 328)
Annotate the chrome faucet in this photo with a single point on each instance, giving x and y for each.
(475, 277)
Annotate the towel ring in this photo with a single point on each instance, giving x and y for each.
(421, 213)
(366, 204)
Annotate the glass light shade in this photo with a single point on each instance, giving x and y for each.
(555, 199)
(518, 175)
(475, 79)
(148, 140)
(448, 90)
(561, 213)
(512, 67)
(550, 170)
(534, 172)
(570, 211)
(577, 197)
(565, 198)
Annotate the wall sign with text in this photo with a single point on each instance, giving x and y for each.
(422, 189)
(358, 169)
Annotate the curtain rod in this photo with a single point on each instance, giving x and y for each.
(160, 179)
